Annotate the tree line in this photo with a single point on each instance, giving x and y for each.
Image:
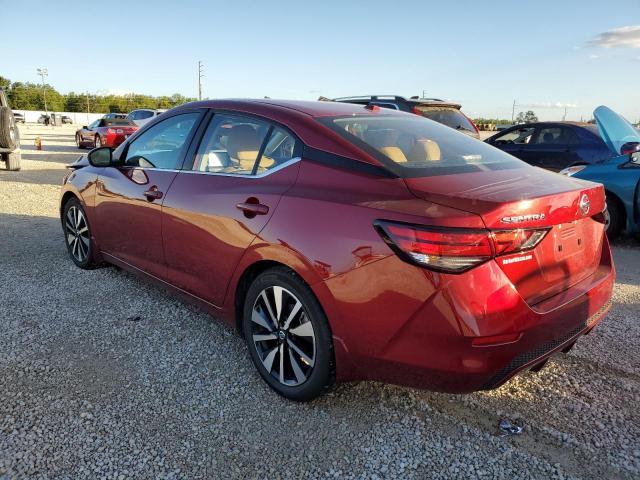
(30, 96)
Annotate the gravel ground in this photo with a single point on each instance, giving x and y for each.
(104, 376)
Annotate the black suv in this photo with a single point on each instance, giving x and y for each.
(447, 113)
(9, 135)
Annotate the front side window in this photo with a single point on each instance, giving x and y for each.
(411, 146)
(94, 125)
(142, 114)
(518, 136)
(231, 145)
(162, 146)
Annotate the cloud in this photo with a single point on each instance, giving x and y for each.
(118, 92)
(628, 37)
(547, 105)
(593, 57)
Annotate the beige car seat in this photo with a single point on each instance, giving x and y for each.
(243, 146)
(425, 150)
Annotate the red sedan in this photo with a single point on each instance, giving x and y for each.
(105, 132)
(349, 243)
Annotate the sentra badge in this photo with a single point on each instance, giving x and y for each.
(523, 218)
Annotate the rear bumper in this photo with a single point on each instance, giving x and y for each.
(428, 342)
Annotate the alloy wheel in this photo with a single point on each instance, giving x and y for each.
(283, 336)
(77, 234)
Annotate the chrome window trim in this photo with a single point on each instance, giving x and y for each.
(258, 175)
(134, 167)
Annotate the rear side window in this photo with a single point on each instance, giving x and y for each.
(555, 136)
(238, 145)
(142, 114)
(231, 145)
(411, 146)
(451, 117)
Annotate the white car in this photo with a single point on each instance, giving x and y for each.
(144, 115)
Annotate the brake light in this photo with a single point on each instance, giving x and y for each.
(454, 250)
(417, 111)
(511, 241)
(472, 124)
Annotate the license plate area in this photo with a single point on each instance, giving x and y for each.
(568, 240)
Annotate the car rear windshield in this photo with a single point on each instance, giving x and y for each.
(117, 121)
(449, 116)
(411, 146)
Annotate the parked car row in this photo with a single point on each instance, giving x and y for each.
(340, 239)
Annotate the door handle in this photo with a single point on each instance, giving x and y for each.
(153, 194)
(252, 207)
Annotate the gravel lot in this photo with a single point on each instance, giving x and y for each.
(104, 376)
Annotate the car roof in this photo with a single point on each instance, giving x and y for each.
(308, 107)
(397, 98)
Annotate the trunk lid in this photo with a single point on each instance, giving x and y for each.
(530, 197)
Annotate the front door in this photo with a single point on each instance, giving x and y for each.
(129, 198)
(215, 210)
(553, 148)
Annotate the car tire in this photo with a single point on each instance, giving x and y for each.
(13, 160)
(8, 129)
(293, 351)
(97, 141)
(77, 235)
(615, 217)
(79, 142)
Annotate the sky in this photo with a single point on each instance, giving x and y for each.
(545, 55)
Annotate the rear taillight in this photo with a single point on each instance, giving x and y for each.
(454, 250)
(472, 124)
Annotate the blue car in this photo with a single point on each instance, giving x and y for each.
(553, 145)
(620, 174)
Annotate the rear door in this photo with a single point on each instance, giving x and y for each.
(129, 198)
(220, 202)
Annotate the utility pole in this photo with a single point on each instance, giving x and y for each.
(424, 94)
(564, 117)
(43, 72)
(513, 112)
(200, 75)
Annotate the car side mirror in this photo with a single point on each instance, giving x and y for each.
(100, 157)
(84, 127)
(630, 148)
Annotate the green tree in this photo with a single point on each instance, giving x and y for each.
(527, 117)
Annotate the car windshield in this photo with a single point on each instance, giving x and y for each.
(411, 146)
(452, 117)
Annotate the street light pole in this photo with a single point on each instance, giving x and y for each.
(43, 72)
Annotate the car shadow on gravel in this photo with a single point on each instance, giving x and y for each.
(24, 237)
(38, 177)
